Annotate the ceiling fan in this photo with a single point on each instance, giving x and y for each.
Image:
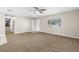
(38, 10)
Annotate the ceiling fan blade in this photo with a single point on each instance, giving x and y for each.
(41, 12)
(31, 10)
(42, 9)
(36, 8)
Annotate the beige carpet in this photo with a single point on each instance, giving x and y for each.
(39, 42)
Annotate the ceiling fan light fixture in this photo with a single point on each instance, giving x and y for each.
(37, 12)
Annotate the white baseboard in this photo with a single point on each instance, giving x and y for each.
(63, 35)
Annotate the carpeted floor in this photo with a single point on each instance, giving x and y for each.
(39, 42)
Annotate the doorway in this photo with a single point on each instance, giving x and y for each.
(9, 25)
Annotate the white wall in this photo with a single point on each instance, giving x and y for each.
(2, 30)
(69, 27)
(22, 24)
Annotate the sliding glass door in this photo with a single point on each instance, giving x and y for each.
(35, 25)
